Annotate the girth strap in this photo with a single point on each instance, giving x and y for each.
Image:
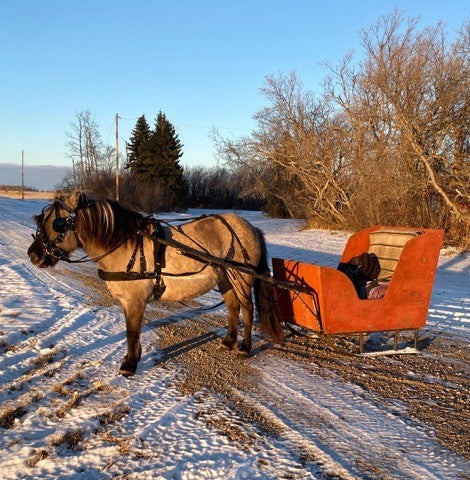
(158, 258)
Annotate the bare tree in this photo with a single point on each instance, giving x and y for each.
(387, 143)
(297, 154)
(410, 99)
(220, 187)
(85, 147)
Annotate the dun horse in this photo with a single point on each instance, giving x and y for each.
(124, 243)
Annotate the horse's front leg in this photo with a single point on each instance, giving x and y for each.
(134, 311)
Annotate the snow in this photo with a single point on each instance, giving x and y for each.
(74, 417)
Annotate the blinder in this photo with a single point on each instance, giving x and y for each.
(59, 225)
(62, 224)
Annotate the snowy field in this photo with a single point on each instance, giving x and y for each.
(65, 413)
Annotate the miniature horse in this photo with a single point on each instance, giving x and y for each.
(121, 242)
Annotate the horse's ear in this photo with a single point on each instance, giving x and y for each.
(59, 195)
(77, 200)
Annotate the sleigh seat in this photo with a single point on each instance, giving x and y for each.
(408, 259)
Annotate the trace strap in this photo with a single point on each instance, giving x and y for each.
(227, 264)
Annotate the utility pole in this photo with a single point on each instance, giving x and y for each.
(117, 157)
(22, 175)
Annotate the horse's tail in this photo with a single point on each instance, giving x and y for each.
(265, 299)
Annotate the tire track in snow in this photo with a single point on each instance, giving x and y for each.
(349, 427)
(37, 302)
(49, 311)
(165, 417)
(177, 444)
(329, 467)
(50, 322)
(95, 339)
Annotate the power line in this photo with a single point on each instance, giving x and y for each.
(196, 125)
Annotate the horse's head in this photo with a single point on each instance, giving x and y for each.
(56, 236)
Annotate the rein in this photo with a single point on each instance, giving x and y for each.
(86, 258)
(64, 225)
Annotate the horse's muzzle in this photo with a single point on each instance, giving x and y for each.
(39, 257)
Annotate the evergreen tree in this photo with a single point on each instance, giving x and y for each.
(166, 150)
(138, 147)
(164, 167)
(154, 158)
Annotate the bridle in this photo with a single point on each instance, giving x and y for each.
(60, 225)
(64, 225)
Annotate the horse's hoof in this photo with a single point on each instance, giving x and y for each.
(229, 344)
(127, 368)
(243, 354)
(245, 348)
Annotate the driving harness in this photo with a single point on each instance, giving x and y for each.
(158, 234)
(62, 225)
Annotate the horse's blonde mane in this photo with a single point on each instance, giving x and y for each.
(108, 224)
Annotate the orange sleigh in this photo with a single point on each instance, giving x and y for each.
(407, 256)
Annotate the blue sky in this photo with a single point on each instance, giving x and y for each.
(201, 62)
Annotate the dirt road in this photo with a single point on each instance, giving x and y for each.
(433, 384)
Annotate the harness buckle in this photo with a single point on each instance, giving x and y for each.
(152, 275)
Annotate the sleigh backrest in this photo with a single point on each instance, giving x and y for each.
(388, 245)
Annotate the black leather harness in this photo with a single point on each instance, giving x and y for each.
(159, 262)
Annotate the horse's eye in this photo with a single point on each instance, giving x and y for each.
(59, 225)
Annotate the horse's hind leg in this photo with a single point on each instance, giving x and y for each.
(243, 287)
(134, 315)
(247, 314)
(233, 307)
(238, 295)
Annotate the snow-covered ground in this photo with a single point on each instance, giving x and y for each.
(65, 413)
